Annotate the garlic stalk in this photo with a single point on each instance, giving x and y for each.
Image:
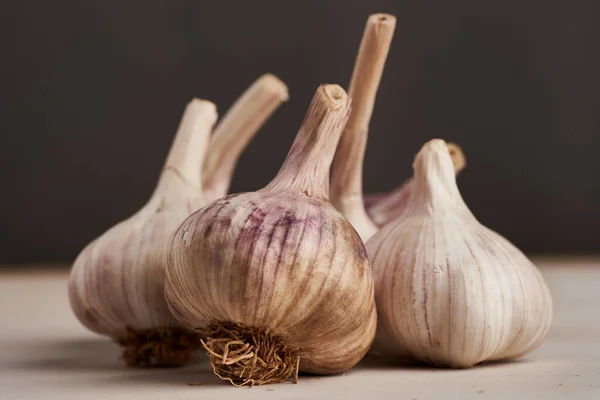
(384, 208)
(346, 178)
(450, 291)
(278, 279)
(116, 283)
(236, 128)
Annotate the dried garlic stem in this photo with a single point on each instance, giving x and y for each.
(235, 130)
(458, 157)
(306, 167)
(184, 161)
(393, 205)
(346, 190)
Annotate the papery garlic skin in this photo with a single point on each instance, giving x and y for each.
(116, 284)
(449, 291)
(281, 262)
(296, 268)
(117, 280)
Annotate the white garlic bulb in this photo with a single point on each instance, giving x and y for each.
(384, 208)
(116, 286)
(117, 282)
(450, 291)
(346, 174)
(278, 278)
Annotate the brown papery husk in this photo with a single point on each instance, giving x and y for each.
(167, 347)
(250, 356)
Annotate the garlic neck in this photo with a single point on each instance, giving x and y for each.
(306, 167)
(186, 156)
(434, 180)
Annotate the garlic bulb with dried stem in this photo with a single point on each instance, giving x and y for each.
(346, 176)
(384, 208)
(116, 287)
(117, 282)
(450, 291)
(278, 279)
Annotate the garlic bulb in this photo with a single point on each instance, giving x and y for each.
(116, 286)
(450, 291)
(346, 177)
(384, 208)
(278, 279)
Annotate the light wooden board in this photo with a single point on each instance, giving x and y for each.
(46, 354)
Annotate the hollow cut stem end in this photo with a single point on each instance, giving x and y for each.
(168, 347)
(249, 356)
(274, 86)
(382, 19)
(331, 96)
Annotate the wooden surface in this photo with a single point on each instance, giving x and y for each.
(47, 354)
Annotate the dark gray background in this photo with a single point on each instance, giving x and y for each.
(92, 91)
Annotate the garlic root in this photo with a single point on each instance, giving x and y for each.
(159, 347)
(346, 178)
(384, 208)
(116, 283)
(246, 356)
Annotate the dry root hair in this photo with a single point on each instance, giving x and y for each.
(248, 356)
(168, 347)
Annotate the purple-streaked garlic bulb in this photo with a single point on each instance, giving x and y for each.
(278, 279)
